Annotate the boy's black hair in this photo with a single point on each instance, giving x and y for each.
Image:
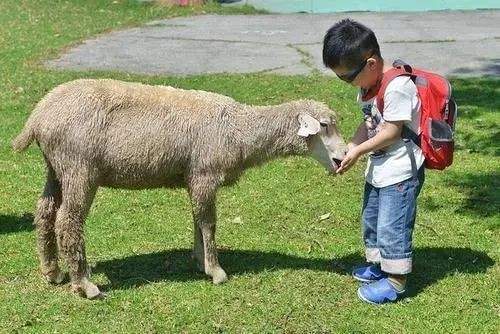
(347, 43)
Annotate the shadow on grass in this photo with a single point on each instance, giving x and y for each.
(482, 191)
(490, 67)
(486, 142)
(478, 101)
(14, 224)
(431, 265)
(480, 93)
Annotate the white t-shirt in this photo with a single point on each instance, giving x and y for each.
(393, 164)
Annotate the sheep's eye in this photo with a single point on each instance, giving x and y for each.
(323, 125)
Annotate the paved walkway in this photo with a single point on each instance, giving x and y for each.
(456, 43)
(330, 6)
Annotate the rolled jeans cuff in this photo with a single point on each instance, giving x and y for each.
(396, 266)
(372, 255)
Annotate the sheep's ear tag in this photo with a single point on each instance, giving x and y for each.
(308, 125)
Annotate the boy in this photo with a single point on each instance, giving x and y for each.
(395, 171)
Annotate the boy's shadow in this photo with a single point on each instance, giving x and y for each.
(430, 265)
(14, 224)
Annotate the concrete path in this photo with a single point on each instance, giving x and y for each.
(329, 6)
(456, 43)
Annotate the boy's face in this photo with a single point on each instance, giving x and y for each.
(365, 75)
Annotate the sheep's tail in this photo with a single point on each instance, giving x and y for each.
(24, 139)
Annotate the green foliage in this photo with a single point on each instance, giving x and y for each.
(289, 270)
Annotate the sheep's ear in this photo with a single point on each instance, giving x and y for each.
(308, 125)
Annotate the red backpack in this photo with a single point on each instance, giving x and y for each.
(438, 113)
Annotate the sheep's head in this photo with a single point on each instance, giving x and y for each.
(324, 142)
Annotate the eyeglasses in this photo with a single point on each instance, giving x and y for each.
(350, 76)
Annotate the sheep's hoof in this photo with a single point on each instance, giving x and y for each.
(87, 289)
(219, 276)
(55, 276)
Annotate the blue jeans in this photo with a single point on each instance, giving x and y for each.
(388, 221)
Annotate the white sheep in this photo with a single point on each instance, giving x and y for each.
(127, 135)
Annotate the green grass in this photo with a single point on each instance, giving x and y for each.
(289, 272)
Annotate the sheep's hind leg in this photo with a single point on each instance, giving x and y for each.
(44, 220)
(77, 196)
(203, 191)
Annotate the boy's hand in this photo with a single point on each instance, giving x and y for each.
(349, 160)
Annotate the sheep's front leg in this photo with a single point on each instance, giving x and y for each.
(203, 191)
(198, 249)
(211, 261)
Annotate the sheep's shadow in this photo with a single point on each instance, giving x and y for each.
(15, 224)
(431, 264)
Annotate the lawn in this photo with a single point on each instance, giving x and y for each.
(289, 270)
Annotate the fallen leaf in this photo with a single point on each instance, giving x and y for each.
(324, 217)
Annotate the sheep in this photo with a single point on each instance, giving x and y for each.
(117, 134)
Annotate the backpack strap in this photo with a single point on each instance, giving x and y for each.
(409, 149)
(399, 68)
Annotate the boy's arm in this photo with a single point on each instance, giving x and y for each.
(389, 133)
(399, 104)
(360, 136)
